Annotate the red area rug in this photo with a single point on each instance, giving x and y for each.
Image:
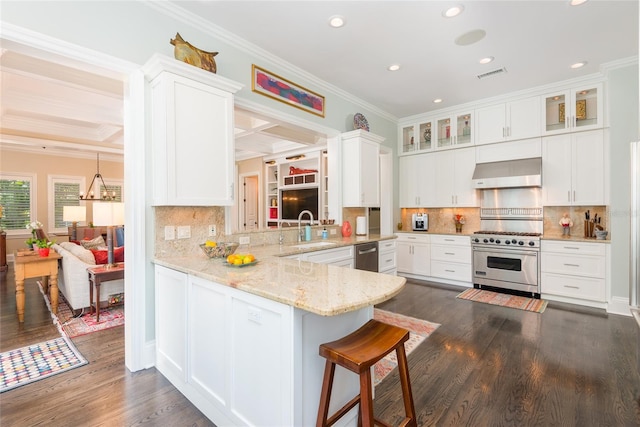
(418, 329)
(504, 300)
(85, 323)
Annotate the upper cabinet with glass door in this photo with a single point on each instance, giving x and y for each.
(417, 137)
(573, 110)
(456, 129)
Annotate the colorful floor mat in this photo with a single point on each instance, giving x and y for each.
(418, 329)
(504, 300)
(35, 362)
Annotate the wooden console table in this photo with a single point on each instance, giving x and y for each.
(31, 266)
(100, 274)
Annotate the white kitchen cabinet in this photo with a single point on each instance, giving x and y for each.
(417, 137)
(171, 323)
(192, 134)
(413, 254)
(573, 109)
(416, 177)
(453, 173)
(454, 129)
(574, 270)
(342, 256)
(508, 121)
(451, 257)
(573, 169)
(360, 169)
(387, 263)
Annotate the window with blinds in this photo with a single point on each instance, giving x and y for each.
(16, 198)
(111, 190)
(64, 194)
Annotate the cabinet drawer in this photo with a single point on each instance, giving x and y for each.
(328, 256)
(451, 253)
(413, 237)
(575, 265)
(450, 270)
(445, 239)
(386, 261)
(573, 248)
(573, 287)
(385, 246)
(390, 272)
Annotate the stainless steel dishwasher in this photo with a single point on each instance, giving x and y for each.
(367, 256)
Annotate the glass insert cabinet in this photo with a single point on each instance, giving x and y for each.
(573, 110)
(436, 133)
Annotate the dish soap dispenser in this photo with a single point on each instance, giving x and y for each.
(307, 233)
(325, 234)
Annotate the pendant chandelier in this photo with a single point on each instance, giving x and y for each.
(104, 196)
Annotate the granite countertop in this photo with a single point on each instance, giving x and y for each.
(445, 233)
(322, 289)
(575, 238)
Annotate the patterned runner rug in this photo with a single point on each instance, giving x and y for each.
(504, 300)
(85, 323)
(35, 362)
(418, 329)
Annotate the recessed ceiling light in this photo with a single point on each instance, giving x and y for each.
(336, 21)
(437, 101)
(486, 60)
(394, 67)
(577, 2)
(453, 11)
(579, 64)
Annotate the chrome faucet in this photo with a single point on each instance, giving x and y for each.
(300, 220)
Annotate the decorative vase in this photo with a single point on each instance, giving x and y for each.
(35, 247)
(44, 252)
(346, 229)
(458, 228)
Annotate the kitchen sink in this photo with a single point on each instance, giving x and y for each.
(314, 245)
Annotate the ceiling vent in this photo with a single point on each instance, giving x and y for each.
(492, 73)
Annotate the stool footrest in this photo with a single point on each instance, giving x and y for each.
(346, 408)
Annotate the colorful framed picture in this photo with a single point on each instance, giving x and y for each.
(268, 84)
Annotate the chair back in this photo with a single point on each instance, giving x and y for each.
(41, 235)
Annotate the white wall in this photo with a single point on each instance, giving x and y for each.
(623, 114)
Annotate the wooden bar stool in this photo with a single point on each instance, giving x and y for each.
(358, 352)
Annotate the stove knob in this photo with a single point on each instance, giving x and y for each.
(498, 241)
(521, 243)
(532, 243)
(476, 240)
(485, 241)
(508, 242)
(514, 241)
(491, 240)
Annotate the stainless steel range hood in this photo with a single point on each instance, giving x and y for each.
(508, 174)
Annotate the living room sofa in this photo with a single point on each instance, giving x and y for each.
(73, 279)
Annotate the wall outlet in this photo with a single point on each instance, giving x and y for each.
(169, 232)
(333, 231)
(184, 231)
(212, 230)
(244, 240)
(254, 314)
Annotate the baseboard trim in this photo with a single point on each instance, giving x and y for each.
(619, 305)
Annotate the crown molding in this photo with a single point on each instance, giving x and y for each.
(175, 11)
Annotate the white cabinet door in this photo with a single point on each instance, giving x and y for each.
(413, 254)
(491, 123)
(443, 187)
(360, 169)
(509, 121)
(408, 183)
(192, 134)
(403, 257)
(573, 169)
(421, 259)
(171, 323)
(452, 182)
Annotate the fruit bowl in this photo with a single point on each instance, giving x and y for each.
(221, 250)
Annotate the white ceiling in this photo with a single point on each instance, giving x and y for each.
(70, 109)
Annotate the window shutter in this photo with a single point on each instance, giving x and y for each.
(65, 194)
(15, 198)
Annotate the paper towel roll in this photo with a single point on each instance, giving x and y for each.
(361, 226)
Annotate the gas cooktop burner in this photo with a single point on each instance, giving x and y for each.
(509, 233)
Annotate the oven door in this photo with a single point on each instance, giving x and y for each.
(503, 268)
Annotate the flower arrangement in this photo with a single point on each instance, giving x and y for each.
(458, 219)
(33, 226)
(42, 243)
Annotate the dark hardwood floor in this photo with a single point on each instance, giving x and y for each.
(485, 366)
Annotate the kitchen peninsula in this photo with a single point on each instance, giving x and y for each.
(242, 343)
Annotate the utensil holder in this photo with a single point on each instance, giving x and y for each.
(588, 229)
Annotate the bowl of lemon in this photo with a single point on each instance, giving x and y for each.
(240, 260)
(218, 249)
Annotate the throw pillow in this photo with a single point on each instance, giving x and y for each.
(67, 245)
(95, 243)
(102, 256)
(82, 254)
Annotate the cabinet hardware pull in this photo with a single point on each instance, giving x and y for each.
(449, 253)
(568, 195)
(503, 135)
(449, 240)
(574, 195)
(572, 287)
(572, 265)
(389, 260)
(571, 247)
(508, 130)
(450, 271)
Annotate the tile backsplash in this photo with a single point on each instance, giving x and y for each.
(441, 219)
(553, 215)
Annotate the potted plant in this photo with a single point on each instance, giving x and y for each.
(33, 240)
(44, 247)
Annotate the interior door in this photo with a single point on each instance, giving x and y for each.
(250, 202)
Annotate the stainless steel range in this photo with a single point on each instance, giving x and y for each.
(506, 251)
